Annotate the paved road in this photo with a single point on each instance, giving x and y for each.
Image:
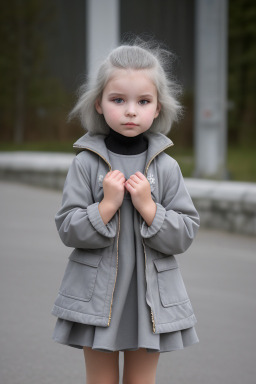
(219, 270)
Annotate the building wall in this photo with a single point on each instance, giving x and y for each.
(67, 42)
(172, 22)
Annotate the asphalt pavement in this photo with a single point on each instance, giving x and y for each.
(219, 271)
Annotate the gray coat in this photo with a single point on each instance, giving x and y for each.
(88, 285)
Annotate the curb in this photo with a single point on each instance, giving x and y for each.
(226, 205)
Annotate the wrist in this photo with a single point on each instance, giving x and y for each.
(148, 212)
(107, 210)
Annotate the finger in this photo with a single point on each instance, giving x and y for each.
(128, 187)
(119, 178)
(117, 174)
(132, 183)
(120, 175)
(113, 174)
(122, 180)
(135, 178)
(108, 174)
(140, 175)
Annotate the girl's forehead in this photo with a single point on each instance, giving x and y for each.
(123, 76)
(125, 72)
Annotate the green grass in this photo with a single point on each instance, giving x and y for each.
(52, 146)
(241, 162)
(185, 159)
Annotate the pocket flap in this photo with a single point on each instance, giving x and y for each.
(165, 263)
(84, 257)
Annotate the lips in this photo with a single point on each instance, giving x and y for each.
(131, 124)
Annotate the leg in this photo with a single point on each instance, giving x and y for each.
(140, 367)
(101, 367)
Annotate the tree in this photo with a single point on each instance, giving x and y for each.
(27, 88)
(242, 70)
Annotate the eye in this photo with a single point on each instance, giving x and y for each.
(118, 100)
(143, 102)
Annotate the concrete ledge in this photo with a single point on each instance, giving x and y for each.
(224, 205)
(44, 169)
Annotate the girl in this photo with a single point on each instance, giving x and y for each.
(126, 212)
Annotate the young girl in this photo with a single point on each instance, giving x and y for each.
(126, 212)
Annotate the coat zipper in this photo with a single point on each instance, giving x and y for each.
(117, 243)
(152, 315)
(144, 247)
(118, 232)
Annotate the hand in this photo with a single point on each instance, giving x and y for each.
(113, 187)
(140, 192)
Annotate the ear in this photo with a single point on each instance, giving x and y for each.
(158, 109)
(98, 107)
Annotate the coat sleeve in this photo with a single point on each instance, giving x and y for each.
(78, 221)
(176, 220)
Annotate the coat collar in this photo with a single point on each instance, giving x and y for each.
(157, 143)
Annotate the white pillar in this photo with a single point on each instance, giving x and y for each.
(211, 88)
(102, 30)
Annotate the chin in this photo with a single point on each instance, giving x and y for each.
(133, 133)
(130, 132)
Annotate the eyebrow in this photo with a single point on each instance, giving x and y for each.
(115, 94)
(147, 95)
(118, 94)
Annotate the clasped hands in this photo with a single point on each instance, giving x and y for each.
(114, 186)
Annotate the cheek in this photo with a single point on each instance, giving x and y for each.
(149, 117)
(112, 114)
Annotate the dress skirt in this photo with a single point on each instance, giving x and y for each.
(128, 334)
(130, 327)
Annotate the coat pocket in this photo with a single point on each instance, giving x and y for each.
(80, 275)
(171, 287)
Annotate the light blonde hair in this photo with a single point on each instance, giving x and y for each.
(136, 56)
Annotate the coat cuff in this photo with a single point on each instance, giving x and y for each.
(157, 223)
(95, 218)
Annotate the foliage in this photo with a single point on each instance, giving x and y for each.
(34, 104)
(242, 71)
(30, 98)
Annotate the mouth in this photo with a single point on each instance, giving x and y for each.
(130, 124)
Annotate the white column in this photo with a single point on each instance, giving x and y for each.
(211, 88)
(102, 30)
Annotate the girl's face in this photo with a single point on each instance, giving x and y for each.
(129, 102)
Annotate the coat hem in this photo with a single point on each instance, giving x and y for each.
(79, 317)
(177, 325)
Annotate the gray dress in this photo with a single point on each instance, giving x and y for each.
(131, 326)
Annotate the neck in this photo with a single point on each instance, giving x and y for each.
(124, 145)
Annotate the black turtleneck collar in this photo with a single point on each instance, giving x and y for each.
(124, 145)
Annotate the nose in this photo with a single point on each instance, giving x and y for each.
(130, 110)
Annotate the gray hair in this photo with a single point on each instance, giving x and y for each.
(137, 56)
